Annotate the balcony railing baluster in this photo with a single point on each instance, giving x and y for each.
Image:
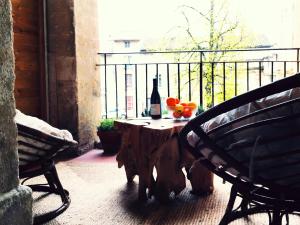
(272, 71)
(247, 68)
(116, 80)
(136, 91)
(201, 83)
(212, 84)
(168, 78)
(298, 60)
(190, 85)
(178, 79)
(224, 81)
(235, 79)
(105, 84)
(126, 111)
(201, 78)
(259, 69)
(146, 72)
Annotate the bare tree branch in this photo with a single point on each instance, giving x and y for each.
(188, 28)
(196, 10)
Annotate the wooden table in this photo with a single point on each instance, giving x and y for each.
(148, 144)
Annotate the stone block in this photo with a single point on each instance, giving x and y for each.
(67, 106)
(59, 5)
(53, 120)
(65, 67)
(62, 44)
(16, 206)
(61, 22)
(8, 155)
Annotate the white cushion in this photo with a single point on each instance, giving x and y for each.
(40, 125)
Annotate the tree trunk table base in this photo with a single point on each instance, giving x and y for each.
(148, 144)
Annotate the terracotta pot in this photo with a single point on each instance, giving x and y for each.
(110, 140)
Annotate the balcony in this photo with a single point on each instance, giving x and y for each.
(56, 81)
(208, 77)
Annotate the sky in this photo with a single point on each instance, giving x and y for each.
(144, 18)
(155, 18)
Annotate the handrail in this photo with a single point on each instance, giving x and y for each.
(204, 50)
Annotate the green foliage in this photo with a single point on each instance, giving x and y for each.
(106, 125)
(165, 112)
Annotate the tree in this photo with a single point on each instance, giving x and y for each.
(211, 29)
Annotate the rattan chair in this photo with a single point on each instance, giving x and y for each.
(253, 142)
(36, 151)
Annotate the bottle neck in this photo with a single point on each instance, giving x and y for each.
(155, 84)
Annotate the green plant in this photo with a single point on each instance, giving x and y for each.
(106, 125)
(165, 112)
(199, 110)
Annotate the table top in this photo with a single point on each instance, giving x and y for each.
(159, 124)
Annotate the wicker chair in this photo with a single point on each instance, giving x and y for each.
(252, 141)
(36, 151)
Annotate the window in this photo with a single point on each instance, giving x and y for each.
(129, 102)
(127, 44)
(129, 80)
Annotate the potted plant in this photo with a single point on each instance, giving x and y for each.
(109, 136)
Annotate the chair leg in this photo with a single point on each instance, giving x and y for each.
(50, 181)
(244, 205)
(228, 213)
(55, 187)
(276, 218)
(56, 182)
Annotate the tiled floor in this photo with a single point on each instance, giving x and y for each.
(100, 195)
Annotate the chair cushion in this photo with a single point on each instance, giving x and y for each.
(193, 139)
(235, 143)
(40, 125)
(38, 141)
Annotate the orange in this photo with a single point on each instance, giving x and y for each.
(193, 105)
(179, 108)
(187, 112)
(183, 103)
(176, 114)
(171, 101)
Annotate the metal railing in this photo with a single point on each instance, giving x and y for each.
(207, 77)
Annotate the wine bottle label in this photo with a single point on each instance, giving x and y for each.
(155, 109)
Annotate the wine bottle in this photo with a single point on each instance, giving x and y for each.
(155, 108)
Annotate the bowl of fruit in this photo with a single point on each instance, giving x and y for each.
(180, 110)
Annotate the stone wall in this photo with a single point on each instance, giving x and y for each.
(63, 105)
(15, 200)
(73, 40)
(87, 45)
